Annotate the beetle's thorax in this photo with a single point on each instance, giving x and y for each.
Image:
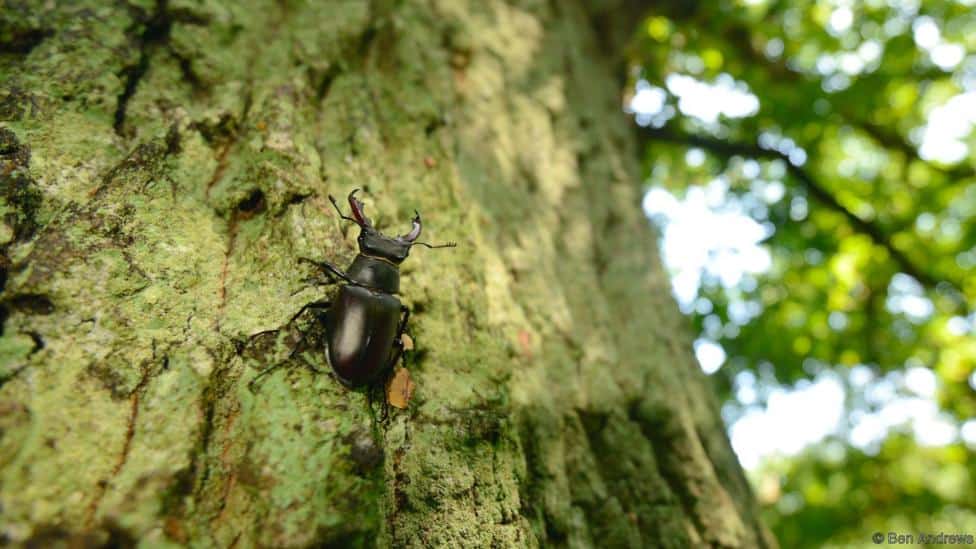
(375, 273)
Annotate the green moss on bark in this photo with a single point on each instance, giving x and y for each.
(181, 155)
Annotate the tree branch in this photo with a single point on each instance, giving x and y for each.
(739, 37)
(873, 230)
(892, 140)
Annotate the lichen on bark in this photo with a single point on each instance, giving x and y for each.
(163, 167)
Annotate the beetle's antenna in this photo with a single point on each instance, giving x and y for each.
(342, 215)
(432, 246)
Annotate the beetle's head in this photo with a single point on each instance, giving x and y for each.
(376, 244)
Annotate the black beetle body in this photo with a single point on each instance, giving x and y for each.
(365, 324)
(362, 333)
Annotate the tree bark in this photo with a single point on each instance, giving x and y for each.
(164, 165)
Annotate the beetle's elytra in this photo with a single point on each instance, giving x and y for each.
(365, 325)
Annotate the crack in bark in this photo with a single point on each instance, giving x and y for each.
(737, 476)
(224, 137)
(157, 27)
(674, 480)
(156, 31)
(325, 84)
(102, 485)
(399, 499)
(355, 54)
(200, 461)
(29, 304)
(232, 480)
(672, 446)
(231, 240)
(531, 504)
(186, 68)
(22, 41)
(221, 168)
(198, 452)
(20, 191)
(235, 216)
(38, 342)
(206, 432)
(12, 375)
(132, 74)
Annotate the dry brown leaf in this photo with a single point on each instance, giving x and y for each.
(400, 389)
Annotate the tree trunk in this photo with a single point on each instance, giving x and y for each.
(163, 167)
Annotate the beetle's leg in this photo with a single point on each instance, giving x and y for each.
(397, 355)
(384, 410)
(321, 304)
(385, 415)
(398, 342)
(385, 406)
(251, 384)
(273, 367)
(305, 362)
(314, 281)
(403, 321)
(322, 318)
(329, 268)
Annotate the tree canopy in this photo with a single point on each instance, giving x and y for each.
(844, 130)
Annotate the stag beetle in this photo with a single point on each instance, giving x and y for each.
(365, 325)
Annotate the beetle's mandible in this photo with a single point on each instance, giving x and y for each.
(365, 324)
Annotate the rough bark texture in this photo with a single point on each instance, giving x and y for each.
(164, 165)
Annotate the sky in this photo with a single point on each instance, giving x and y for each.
(708, 232)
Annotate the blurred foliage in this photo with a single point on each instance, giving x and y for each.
(872, 241)
(837, 496)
